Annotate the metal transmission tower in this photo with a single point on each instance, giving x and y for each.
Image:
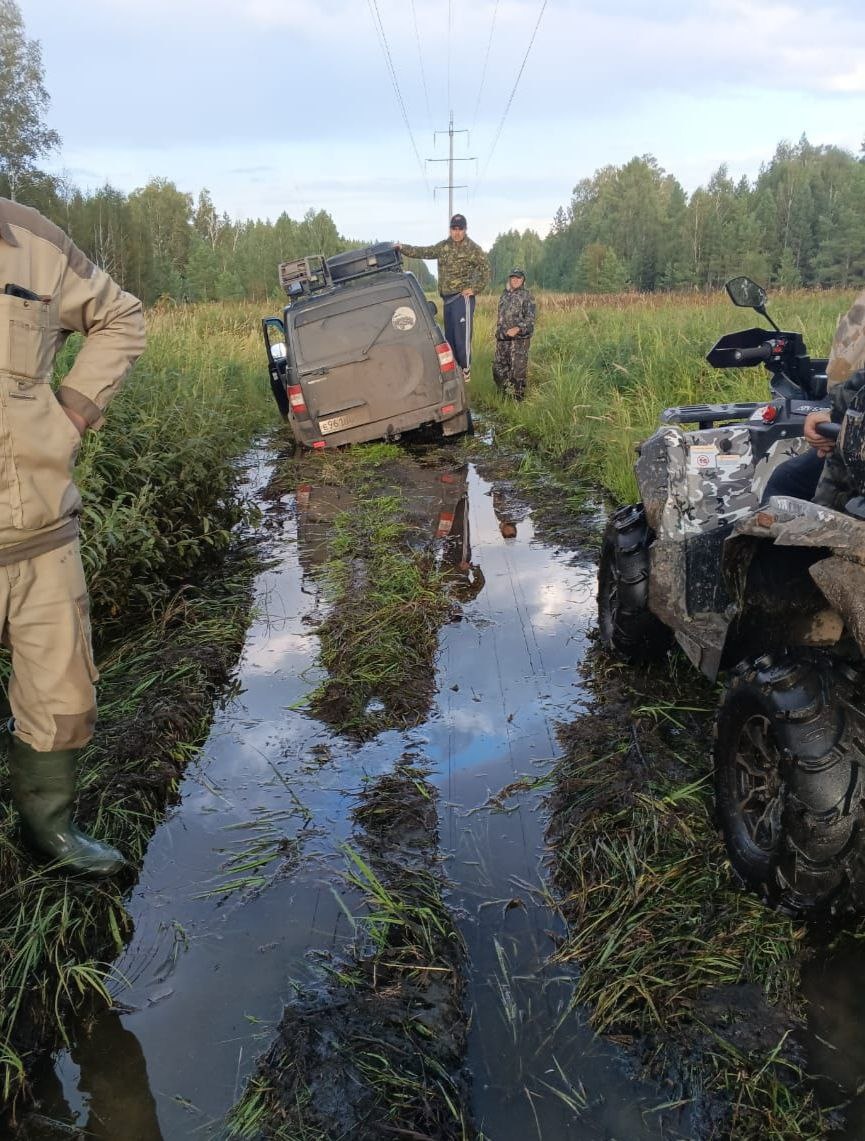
(450, 160)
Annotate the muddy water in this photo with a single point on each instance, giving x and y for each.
(833, 987)
(200, 987)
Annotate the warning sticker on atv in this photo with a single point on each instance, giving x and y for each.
(702, 458)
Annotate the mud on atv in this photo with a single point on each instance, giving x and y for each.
(775, 594)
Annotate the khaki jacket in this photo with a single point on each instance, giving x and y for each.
(39, 502)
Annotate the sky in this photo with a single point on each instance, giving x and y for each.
(286, 105)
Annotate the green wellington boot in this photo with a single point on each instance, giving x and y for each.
(43, 790)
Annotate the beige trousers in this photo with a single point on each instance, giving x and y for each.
(46, 626)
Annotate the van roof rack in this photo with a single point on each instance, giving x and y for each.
(305, 275)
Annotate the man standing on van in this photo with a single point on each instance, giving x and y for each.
(515, 325)
(463, 272)
(49, 289)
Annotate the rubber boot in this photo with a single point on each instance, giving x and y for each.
(43, 790)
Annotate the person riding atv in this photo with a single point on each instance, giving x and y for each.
(799, 476)
(775, 594)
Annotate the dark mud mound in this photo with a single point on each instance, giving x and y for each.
(378, 1052)
(677, 961)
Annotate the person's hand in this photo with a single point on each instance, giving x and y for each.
(820, 443)
(77, 419)
(512, 332)
(468, 293)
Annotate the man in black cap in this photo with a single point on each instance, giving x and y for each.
(463, 272)
(514, 327)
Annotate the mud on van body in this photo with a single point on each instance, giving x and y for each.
(358, 354)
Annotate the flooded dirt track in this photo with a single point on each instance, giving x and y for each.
(243, 901)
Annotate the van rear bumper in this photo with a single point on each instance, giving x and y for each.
(451, 424)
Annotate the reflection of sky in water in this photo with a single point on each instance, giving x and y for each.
(203, 972)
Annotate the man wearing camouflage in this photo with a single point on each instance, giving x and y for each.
(799, 477)
(837, 482)
(463, 272)
(514, 327)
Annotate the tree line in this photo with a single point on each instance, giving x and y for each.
(801, 222)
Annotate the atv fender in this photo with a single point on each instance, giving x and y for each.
(843, 584)
(799, 523)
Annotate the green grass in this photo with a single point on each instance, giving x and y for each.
(656, 924)
(600, 373)
(387, 602)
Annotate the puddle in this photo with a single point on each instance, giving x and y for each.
(832, 985)
(266, 808)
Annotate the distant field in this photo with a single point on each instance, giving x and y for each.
(602, 368)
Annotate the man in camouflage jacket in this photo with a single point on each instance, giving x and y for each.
(514, 327)
(463, 271)
(49, 289)
(842, 475)
(799, 477)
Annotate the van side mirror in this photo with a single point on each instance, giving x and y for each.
(433, 308)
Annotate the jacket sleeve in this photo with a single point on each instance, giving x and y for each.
(480, 270)
(527, 324)
(842, 394)
(421, 251)
(113, 324)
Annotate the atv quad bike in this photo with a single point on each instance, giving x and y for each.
(776, 595)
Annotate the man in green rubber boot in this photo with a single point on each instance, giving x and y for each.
(49, 289)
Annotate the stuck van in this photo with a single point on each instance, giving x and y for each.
(358, 354)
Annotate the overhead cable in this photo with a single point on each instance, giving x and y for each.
(420, 61)
(511, 96)
(484, 68)
(450, 40)
(382, 37)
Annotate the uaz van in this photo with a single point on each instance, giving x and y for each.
(358, 355)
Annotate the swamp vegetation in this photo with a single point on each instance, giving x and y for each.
(694, 977)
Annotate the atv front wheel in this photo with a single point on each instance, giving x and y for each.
(627, 627)
(789, 784)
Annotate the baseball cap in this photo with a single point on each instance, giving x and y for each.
(458, 222)
(517, 272)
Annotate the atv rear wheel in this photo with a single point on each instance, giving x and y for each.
(789, 784)
(627, 627)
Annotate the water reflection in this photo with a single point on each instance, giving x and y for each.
(113, 1086)
(507, 673)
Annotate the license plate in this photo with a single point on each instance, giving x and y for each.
(349, 419)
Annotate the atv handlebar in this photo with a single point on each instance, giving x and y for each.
(752, 355)
(828, 428)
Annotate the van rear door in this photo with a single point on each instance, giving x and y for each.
(366, 354)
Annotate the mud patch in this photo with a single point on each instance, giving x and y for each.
(694, 974)
(377, 1052)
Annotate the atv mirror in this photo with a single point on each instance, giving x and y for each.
(747, 293)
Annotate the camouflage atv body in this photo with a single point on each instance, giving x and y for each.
(774, 593)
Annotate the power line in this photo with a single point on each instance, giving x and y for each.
(450, 40)
(420, 61)
(511, 96)
(484, 69)
(379, 27)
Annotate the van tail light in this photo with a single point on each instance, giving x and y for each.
(319, 444)
(445, 524)
(446, 357)
(297, 400)
(448, 409)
